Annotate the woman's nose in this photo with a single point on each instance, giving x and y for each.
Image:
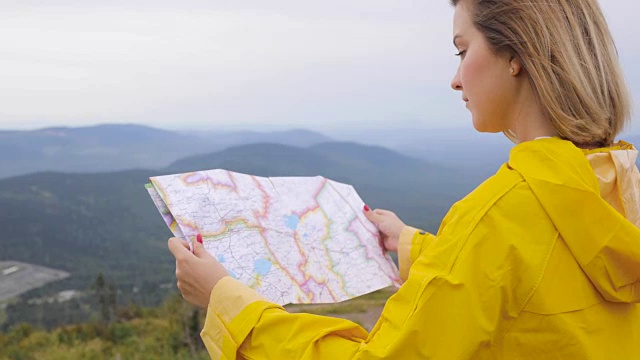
(455, 83)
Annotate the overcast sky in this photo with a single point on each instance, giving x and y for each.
(325, 65)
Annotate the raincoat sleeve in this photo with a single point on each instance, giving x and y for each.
(412, 242)
(239, 322)
(461, 295)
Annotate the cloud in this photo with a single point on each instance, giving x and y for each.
(233, 64)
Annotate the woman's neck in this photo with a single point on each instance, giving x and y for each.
(529, 120)
(532, 126)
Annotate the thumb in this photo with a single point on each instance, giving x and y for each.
(198, 248)
(178, 247)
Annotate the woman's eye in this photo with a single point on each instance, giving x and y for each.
(461, 53)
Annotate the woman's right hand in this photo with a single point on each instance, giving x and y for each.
(389, 224)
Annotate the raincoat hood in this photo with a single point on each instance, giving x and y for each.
(604, 238)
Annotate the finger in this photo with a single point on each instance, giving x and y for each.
(372, 216)
(198, 248)
(382, 212)
(184, 243)
(177, 247)
(368, 213)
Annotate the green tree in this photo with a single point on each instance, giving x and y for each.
(106, 296)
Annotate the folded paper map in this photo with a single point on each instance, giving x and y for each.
(292, 239)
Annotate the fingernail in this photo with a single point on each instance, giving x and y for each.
(199, 238)
(366, 208)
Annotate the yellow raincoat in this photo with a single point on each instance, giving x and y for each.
(541, 261)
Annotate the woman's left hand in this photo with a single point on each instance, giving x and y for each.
(197, 272)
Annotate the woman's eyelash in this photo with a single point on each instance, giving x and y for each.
(461, 53)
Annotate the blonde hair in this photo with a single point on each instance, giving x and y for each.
(567, 50)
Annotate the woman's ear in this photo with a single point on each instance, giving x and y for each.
(515, 66)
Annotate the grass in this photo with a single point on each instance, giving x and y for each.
(358, 305)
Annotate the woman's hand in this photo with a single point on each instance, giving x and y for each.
(389, 224)
(197, 272)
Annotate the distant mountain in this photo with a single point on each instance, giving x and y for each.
(350, 153)
(263, 159)
(479, 154)
(397, 181)
(295, 137)
(105, 148)
(90, 223)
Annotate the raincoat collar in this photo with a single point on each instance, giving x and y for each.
(603, 241)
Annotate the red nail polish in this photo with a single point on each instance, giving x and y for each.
(199, 238)
(366, 208)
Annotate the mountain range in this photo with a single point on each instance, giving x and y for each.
(87, 224)
(113, 147)
(477, 153)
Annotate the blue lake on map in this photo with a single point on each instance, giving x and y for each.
(262, 266)
(292, 221)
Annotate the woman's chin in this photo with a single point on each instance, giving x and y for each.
(485, 127)
(479, 125)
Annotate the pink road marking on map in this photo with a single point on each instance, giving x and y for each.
(304, 261)
(323, 284)
(188, 224)
(233, 181)
(315, 195)
(384, 266)
(301, 215)
(193, 227)
(229, 223)
(163, 194)
(263, 214)
(307, 277)
(352, 229)
(266, 198)
(197, 178)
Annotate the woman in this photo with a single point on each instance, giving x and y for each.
(541, 261)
